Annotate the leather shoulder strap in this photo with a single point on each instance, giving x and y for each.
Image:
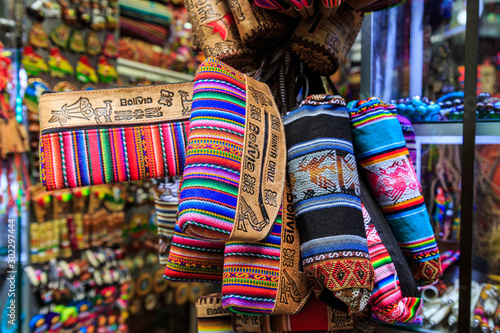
(132, 105)
(263, 166)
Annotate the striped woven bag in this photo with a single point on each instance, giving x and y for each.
(113, 135)
(235, 159)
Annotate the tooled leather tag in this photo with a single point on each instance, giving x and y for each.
(340, 320)
(136, 105)
(263, 166)
(246, 323)
(210, 306)
(293, 287)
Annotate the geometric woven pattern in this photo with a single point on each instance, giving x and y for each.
(207, 206)
(387, 301)
(381, 152)
(251, 274)
(97, 156)
(192, 259)
(326, 197)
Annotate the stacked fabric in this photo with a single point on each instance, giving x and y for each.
(146, 20)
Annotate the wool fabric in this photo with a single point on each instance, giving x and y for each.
(209, 193)
(381, 152)
(251, 274)
(67, 159)
(166, 215)
(194, 260)
(387, 300)
(326, 195)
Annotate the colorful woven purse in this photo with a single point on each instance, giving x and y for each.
(194, 260)
(395, 297)
(326, 197)
(381, 152)
(264, 277)
(113, 135)
(234, 175)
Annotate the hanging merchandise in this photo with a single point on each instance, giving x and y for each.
(98, 21)
(60, 35)
(391, 302)
(216, 32)
(106, 72)
(38, 37)
(321, 124)
(32, 95)
(97, 108)
(388, 172)
(88, 86)
(323, 42)
(110, 48)
(77, 42)
(258, 27)
(84, 71)
(166, 203)
(84, 13)
(315, 316)
(94, 46)
(58, 64)
(39, 10)
(111, 18)
(6, 79)
(33, 63)
(69, 14)
(65, 86)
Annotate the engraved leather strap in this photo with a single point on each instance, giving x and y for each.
(293, 287)
(340, 320)
(210, 306)
(263, 168)
(121, 106)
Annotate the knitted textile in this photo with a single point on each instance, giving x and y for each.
(409, 134)
(382, 154)
(166, 215)
(387, 300)
(122, 154)
(251, 274)
(208, 197)
(192, 259)
(326, 192)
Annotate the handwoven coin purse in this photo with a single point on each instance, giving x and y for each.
(113, 135)
(235, 159)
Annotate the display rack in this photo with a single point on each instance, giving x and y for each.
(451, 133)
(136, 69)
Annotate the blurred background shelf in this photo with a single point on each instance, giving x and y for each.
(138, 70)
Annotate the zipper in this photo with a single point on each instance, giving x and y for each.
(407, 282)
(106, 126)
(262, 167)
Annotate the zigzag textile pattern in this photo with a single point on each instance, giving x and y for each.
(381, 152)
(326, 191)
(121, 154)
(208, 197)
